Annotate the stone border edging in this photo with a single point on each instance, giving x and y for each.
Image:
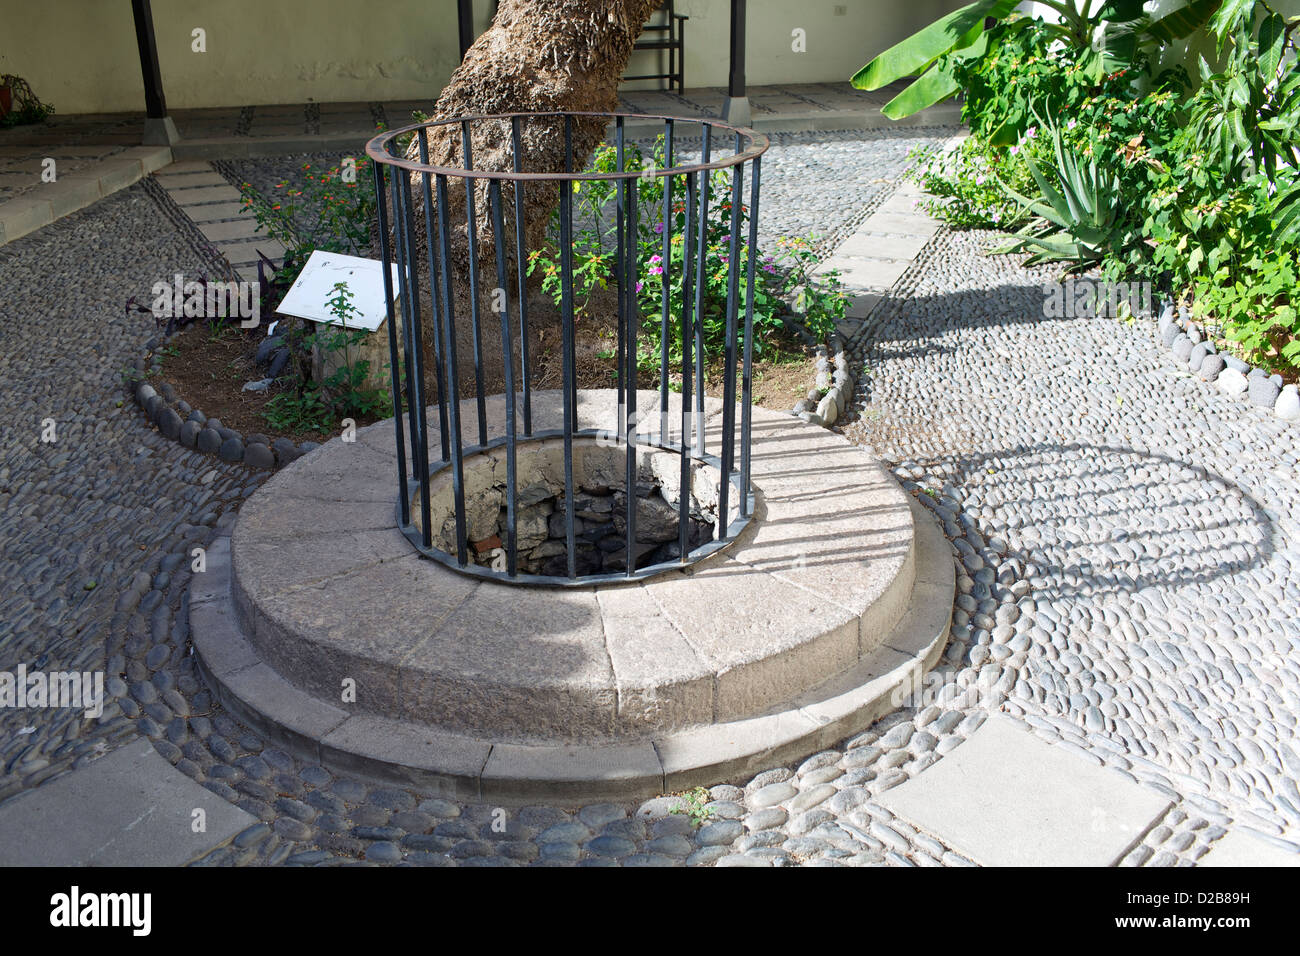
(26, 213)
(176, 420)
(1185, 339)
(826, 409)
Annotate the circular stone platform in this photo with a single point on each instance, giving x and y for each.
(319, 624)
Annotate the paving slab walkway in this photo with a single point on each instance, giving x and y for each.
(128, 808)
(214, 206)
(1006, 798)
(878, 253)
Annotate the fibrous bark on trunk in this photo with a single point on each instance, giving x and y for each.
(538, 56)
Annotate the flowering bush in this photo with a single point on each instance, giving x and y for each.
(594, 251)
(333, 209)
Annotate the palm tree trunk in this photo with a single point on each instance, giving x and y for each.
(538, 56)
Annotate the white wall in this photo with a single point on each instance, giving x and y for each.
(81, 56)
(841, 35)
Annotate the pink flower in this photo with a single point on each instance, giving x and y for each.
(659, 228)
(639, 285)
(656, 270)
(1015, 150)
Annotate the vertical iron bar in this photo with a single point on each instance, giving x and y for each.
(736, 72)
(465, 25)
(746, 417)
(684, 494)
(433, 294)
(573, 358)
(620, 359)
(417, 345)
(399, 246)
(453, 378)
(155, 103)
(394, 363)
(701, 264)
(472, 234)
(628, 372)
(729, 359)
(570, 405)
(525, 376)
(507, 353)
(664, 286)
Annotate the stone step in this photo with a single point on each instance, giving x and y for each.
(894, 636)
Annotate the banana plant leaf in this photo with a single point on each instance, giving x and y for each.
(921, 49)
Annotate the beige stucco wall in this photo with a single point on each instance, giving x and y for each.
(841, 35)
(80, 55)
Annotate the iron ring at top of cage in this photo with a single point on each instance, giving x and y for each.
(376, 149)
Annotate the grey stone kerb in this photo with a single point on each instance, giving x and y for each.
(837, 595)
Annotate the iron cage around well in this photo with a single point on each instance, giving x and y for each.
(413, 199)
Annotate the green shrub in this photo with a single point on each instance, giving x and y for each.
(788, 275)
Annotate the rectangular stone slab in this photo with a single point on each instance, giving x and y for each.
(129, 808)
(1006, 798)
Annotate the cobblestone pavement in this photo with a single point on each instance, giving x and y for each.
(1126, 536)
(813, 183)
(1154, 521)
(95, 524)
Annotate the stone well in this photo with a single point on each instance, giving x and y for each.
(600, 506)
(322, 626)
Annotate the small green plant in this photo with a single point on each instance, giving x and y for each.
(314, 406)
(332, 209)
(696, 806)
(817, 295)
(962, 184)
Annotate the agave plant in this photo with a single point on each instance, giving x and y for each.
(1080, 215)
(1106, 35)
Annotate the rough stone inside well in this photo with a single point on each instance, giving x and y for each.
(600, 511)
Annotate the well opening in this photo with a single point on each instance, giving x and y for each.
(600, 540)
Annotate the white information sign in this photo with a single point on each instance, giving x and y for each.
(308, 296)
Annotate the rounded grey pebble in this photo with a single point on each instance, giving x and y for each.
(706, 854)
(208, 441)
(720, 833)
(189, 433)
(232, 449)
(257, 455)
(1263, 392)
(384, 851)
(169, 424)
(598, 815)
